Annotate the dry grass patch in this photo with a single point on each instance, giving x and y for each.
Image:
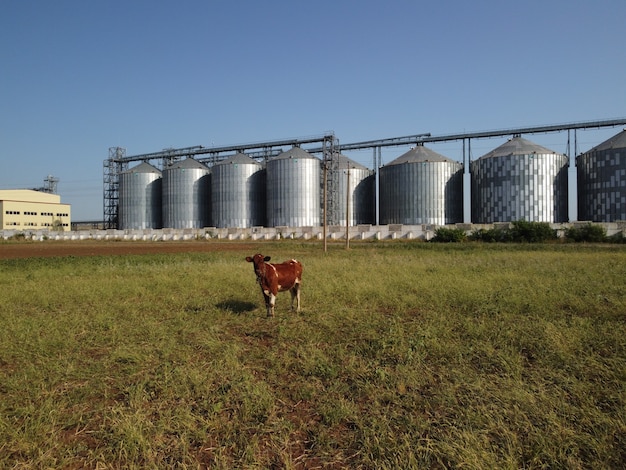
(406, 355)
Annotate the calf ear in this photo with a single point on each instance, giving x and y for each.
(267, 258)
(248, 259)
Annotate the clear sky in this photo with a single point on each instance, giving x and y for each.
(78, 77)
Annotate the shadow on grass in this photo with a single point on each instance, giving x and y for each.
(236, 306)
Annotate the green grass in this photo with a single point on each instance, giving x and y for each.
(405, 355)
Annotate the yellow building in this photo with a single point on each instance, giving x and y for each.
(25, 209)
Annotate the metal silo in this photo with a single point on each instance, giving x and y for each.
(357, 193)
(238, 192)
(519, 180)
(421, 187)
(602, 181)
(293, 189)
(140, 198)
(186, 195)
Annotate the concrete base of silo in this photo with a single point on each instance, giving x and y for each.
(335, 232)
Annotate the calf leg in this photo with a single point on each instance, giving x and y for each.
(270, 301)
(295, 294)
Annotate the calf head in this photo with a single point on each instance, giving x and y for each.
(258, 263)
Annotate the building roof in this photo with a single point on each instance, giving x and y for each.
(29, 195)
(617, 141)
(420, 154)
(517, 146)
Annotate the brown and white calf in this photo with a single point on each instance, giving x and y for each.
(275, 278)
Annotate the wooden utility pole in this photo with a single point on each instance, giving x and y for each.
(325, 203)
(348, 210)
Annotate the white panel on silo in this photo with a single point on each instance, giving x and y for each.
(519, 180)
(601, 174)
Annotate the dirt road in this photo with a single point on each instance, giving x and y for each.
(29, 249)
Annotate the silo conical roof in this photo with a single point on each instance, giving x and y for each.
(188, 163)
(617, 141)
(420, 154)
(143, 167)
(345, 163)
(517, 146)
(294, 152)
(238, 158)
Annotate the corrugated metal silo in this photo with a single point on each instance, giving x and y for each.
(519, 180)
(359, 194)
(140, 198)
(602, 181)
(238, 192)
(421, 187)
(186, 195)
(293, 189)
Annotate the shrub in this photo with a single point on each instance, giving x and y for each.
(586, 233)
(449, 235)
(521, 231)
(491, 235)
(532, 232)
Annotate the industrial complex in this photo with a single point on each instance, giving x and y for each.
(311, 183)
(305, 184)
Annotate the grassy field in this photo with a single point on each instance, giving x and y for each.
(405, 355)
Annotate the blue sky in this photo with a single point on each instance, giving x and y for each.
(78, 77)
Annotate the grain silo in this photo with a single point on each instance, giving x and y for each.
(238, 192)
(186, 195)
(354, 191)
(421, 187)
(602, 181)
(293, 189)
(140, 198)
(519, 180)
